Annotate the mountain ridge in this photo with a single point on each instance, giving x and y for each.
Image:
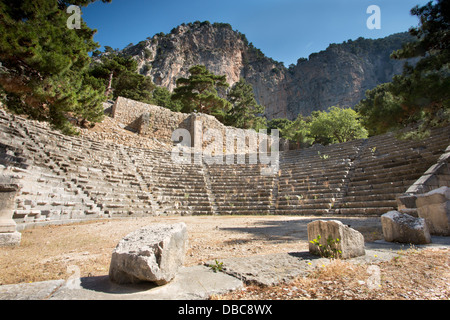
(336, 76)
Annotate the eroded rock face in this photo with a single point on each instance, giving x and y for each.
(403, 228)
(351, 242)
(153, 254)
(339, 75)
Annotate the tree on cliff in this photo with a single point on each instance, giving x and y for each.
(421, 94)
(119, 74)
(199, 92)
(43, 63)
(245, 112)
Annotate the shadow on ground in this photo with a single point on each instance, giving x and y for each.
(104, 285)
(296, 229)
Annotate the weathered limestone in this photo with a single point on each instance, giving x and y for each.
(403, 228)
(434, 207)
(437, 176)
(144, 124)
(406, 203)
(153, 253)
(351, 242)
(160, 122)
(8, 191)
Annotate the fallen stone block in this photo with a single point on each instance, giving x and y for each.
(151, 254)
(403, 228)
(350, 243)
(10, 239)
(8, 191)
(434, 207)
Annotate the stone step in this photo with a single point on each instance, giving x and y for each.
(368, 203)
(299, 211)
(311, 193)
(393, 191)
(304, 206)
(241, 194)
(180, 196)
(376, 211)
(304, 188)
(114, 189)
(233, 203)
(313, 168)
(369, 197)
(301, 201)
(245, 189)
(197, 187)
(250, 187)
(239, 211)
(183, 203)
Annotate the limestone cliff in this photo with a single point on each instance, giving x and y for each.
(340, 75)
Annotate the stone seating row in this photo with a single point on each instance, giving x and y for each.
(378, 169)
(76, 177)
(241, 189)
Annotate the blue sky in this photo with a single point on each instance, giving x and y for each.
(284, 30)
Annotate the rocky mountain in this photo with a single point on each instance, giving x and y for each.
(339, 75)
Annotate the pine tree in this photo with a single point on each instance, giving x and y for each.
(44, 63)
(298, 131)
(199, 92)
(420, 95)
(245, 112)
(119, 74)
(280, 124)
(162, 98)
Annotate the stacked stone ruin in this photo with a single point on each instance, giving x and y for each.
(71, 178)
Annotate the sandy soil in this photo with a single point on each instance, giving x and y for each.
(46, 253)
(54, 252)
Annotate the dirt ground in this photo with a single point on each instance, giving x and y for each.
(46, 252)
(51, 252)
(414, 275)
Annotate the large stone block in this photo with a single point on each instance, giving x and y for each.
(434, 207)
(153, 253)
(403, 228)
(10, 239)
(351, 242)
(8, 191)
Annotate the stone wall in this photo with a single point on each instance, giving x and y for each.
(149, 120)
(214, 134)
(160, 123)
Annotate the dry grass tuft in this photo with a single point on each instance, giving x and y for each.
(416, 275)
